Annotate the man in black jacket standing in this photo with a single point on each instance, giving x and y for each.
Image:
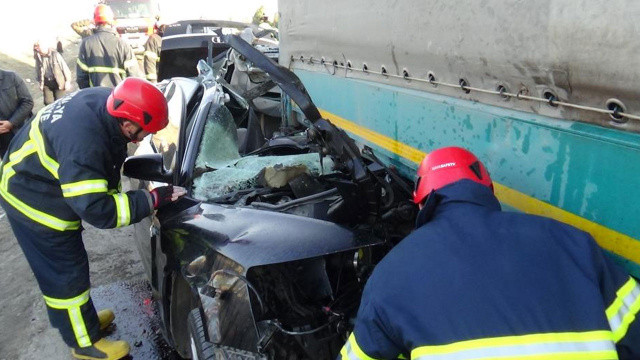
(103, 58)
(15, 106)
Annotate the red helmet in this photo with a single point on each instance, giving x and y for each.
(103, 15)
(445, 166)
(139, 101)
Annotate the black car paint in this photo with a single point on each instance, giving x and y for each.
(234, 238)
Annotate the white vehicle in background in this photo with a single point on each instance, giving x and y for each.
(134, 20)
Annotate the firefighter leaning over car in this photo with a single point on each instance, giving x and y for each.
(64, 167)
(103, 58)
(152, 52)
(474, 282)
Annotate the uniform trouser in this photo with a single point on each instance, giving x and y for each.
(61, 267)
(51, 94)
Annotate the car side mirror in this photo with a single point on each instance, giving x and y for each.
(148, 167)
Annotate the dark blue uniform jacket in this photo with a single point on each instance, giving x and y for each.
(64, 166)
(475, 282)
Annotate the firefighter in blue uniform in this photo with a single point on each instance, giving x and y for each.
(104, 59)
(473, 282)
(64, 167)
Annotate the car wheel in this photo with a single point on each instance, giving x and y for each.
(200, 348)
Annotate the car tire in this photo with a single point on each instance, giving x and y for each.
(201, 349)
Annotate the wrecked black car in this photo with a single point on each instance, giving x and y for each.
(285, 217)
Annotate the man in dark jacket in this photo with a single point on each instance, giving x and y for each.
(473, 282)
(103, 58)
(15, 107)
(64, 167)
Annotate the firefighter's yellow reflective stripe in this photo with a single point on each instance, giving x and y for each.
(79, 328)
(15, 157)
(75, 315)
(592, 345)
(82, 65)
(152, 55)
(123, 213)
(152, 77)
(131, 62)
(102, 69)
(84, 187)
(65, 304)
(47, 161)
(624, 309)
(36, 215)
(351, 350)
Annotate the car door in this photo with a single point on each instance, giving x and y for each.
(165, 142)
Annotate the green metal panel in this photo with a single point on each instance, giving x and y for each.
(584, 169)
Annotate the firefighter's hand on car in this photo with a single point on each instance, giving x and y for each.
(166, 194)
(5, 126)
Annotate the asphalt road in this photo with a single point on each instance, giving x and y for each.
(117, 275)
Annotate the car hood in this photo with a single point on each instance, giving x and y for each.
(254, 237)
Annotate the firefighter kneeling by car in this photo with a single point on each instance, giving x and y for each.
(474, 282)
(64, 167)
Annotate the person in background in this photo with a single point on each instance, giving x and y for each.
(475, 282)
(15, 107)
(52, 71)
(152, 50)
(104, 59)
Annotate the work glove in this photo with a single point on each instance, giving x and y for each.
(163, 195)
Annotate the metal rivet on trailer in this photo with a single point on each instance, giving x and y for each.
(502, 89)
(432, 78)
(617, 107)
(464, 85)
(551, 97)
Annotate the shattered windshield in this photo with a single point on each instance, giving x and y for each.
(220, 169)
(252, 171)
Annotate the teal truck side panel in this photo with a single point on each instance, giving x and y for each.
(577, 171)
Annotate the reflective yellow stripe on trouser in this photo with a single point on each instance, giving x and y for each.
(123, 212)
(591, 345)
(84, 187)
(624, 309)
(34, 145)
(75, 315)
(352, 351)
